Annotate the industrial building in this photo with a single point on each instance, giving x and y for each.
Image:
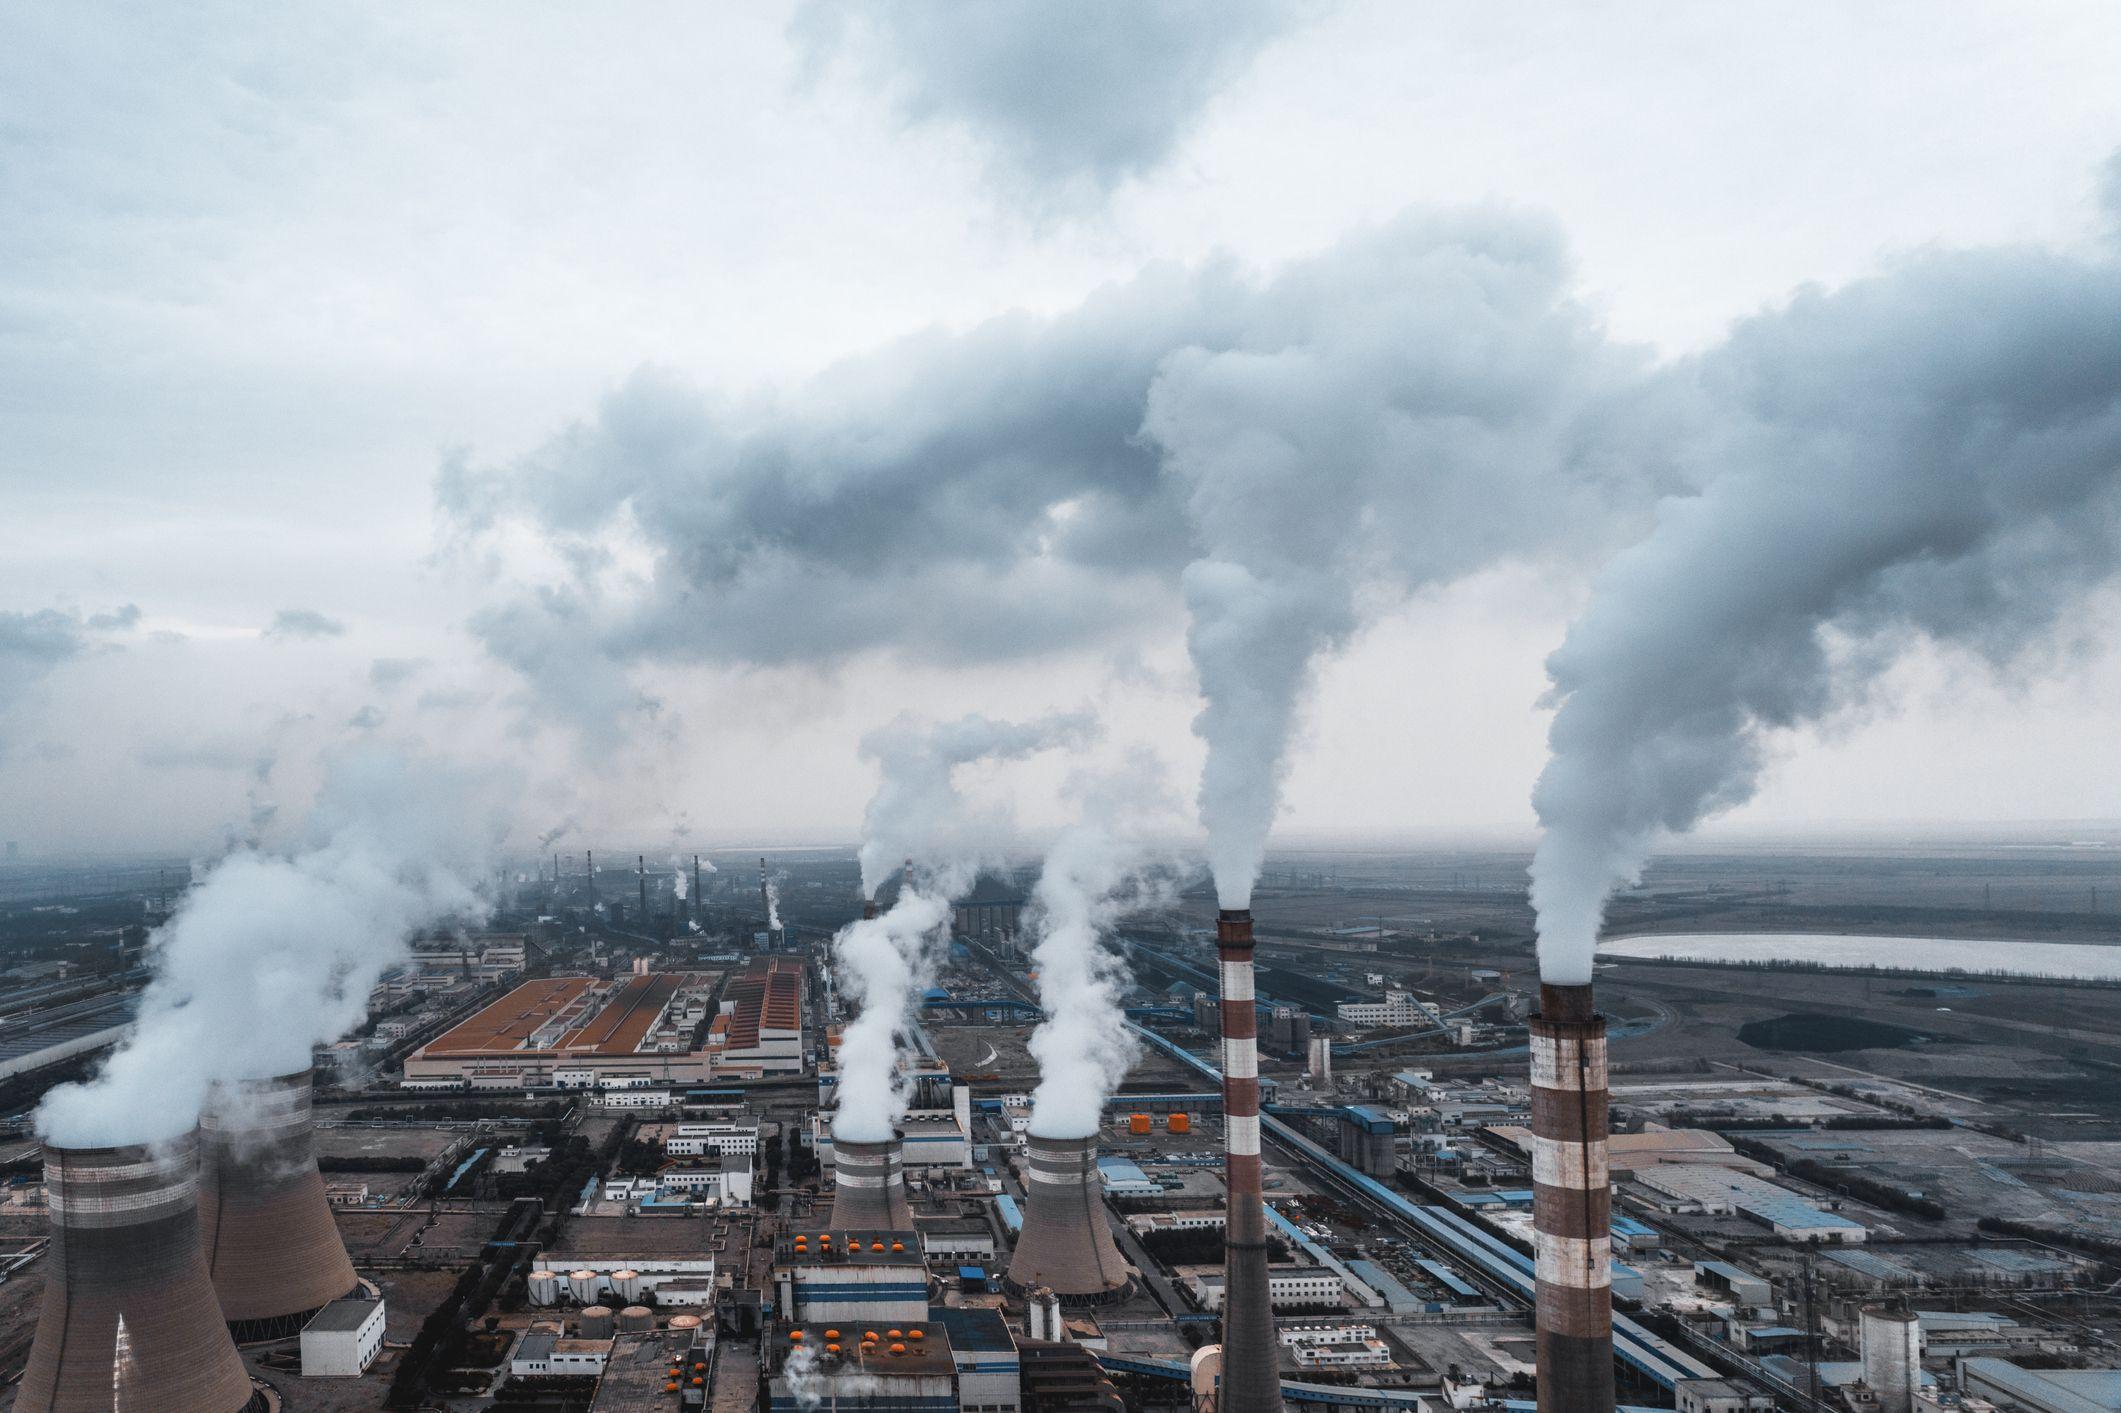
(342, 1339)
(760, 1029)
(905, 1368)
(873, 1275)
(1715, 1191)
(577, 1032)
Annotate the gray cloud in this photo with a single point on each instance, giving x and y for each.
(1406, 406)
(32, 644)
(368, 718)
(1068, 101)
(1934, 454)
(303, 623)
(389, 673)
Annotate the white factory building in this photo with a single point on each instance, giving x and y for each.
(342, 1340)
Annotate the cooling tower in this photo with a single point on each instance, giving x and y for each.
(271, 1245)
(1251, 1362)
(869, 1187)
(1572, 1203)
(1066, 1245)
(130, 1320)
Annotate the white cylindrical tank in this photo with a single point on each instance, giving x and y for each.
(1892, 1357)
(627, 1285)
(596, 1322)
(544, 1287)
(584, 1285)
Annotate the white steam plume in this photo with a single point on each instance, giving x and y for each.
(773, 905)
(1932, 455)
(1092, 876)
(269, 956)
(916, 811)
(679, 879)
(885, 962)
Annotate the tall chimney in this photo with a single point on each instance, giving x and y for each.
(1066, 1245)
(692, 904)
(590, 855)
(130, 1319)
(640, 873)
(869, 1187)
(1572, 1203)
(765, 903)
(1251, 1354)
(271, 1245)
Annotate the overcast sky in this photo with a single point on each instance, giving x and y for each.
(538, 384)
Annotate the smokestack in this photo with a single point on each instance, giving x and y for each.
(692, 904)
(130, 1320)
(869, 1187)
(271, 1245)
(590, 864)
(1066, 1245)
(765, 903)
(1572, 1203)
(868, 910)
(1251, 1373)
(640, 873)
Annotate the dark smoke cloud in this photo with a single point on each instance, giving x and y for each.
(1403, 408)
(1067, 101)
(1931, 455)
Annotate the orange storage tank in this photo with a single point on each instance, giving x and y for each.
(1179, 1123)
(1137, 1123)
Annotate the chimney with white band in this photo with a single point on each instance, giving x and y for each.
(1572, 1203)
(1251, 1378)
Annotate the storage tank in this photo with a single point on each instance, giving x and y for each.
(626, 1285)
(684, 1324)
(544, 1288)
(130, 1320)
(272, 1246)
(1179, 1123)
(1892, 1357)
(584, 1285)
(596, 1322)
(1137, 1123)
(636, 1319)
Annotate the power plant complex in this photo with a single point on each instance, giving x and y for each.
(580, 1167)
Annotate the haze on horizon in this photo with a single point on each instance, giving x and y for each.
(362, 370)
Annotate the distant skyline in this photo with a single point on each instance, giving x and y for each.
(301, 307)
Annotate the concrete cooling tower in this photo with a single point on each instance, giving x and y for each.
(869, 1187)
(130, 1320)
(271, 1245)
(1066, 1245)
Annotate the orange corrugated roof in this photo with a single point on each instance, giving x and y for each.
(509, 1022)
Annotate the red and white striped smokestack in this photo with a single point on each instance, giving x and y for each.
(1251, 1354)
(1572, 1203)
